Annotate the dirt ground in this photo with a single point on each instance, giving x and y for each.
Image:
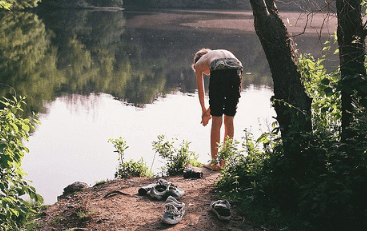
(116, 205)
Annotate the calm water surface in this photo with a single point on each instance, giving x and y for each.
(96, 75)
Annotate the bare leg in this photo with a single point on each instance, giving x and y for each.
(228, 132)
(228, 127)
(215, 135)
(214, 140)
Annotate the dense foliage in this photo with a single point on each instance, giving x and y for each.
(14, 130)
(321, 188)
(18, 4)
(5, 5)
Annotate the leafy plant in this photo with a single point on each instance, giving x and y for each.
(323, 89)
(33, 221)
(130, 168)
(13, 131)
(5, 5)
(176, 158)
(133, 168)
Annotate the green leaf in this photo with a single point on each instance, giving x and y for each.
(25, 127)
(325, 81)
(328, 91)
(14, 212)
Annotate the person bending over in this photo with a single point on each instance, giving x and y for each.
(225, 72)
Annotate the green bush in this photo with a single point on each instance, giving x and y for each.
(133, 169)
(13, 131)
(176, 158)
(33, 221)
(18, 4)
(130, 168)
(5, 5)
(323, 187)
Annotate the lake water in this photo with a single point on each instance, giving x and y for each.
(96, 75)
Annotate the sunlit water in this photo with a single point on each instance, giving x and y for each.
(72, 141)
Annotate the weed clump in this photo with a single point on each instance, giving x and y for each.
(176, 158)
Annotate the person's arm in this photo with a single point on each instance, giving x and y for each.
(201, 67)
(201, 90)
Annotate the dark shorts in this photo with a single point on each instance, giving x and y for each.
(224, 91)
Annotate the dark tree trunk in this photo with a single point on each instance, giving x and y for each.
(291, 103)
(352, 55)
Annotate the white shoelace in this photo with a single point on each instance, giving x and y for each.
(171, 209)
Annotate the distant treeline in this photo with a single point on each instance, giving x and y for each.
(283, 5)
(81, 3)
(286, 5)
(188, 4)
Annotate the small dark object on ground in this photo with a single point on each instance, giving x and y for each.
(145, 189)
(190, 173)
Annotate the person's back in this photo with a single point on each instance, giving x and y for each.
(204, 62)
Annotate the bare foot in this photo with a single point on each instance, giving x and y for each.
(214, 167)
(189, 166)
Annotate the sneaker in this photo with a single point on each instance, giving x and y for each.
(175, 191)
(190, 173)
(160, 190)
(163, 182)
(173, 212)
(222, 209)
(172, 199)
(145, 189)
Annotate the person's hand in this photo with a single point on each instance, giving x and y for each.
(206, 117)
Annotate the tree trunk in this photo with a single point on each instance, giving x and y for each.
(291, 103)
(352, 55)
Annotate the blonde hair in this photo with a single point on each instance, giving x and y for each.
(198, 55)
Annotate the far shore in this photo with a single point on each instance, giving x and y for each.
(296, 22)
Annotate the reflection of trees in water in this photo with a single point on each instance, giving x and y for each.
(97, 56)
(85, 52)
(27, 60)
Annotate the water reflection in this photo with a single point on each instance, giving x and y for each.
(95, 75)
(84, 52)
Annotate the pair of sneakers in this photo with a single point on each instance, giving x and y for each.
(174, 211)
(222, 209)
(164, 189)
